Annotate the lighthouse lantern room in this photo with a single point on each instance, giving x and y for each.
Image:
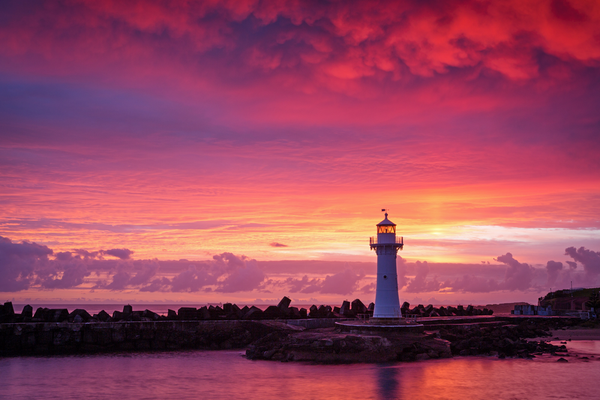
(386, 244)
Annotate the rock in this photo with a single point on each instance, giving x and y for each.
(118, 316)
(324, 311)
(422, 357)
(77, 319)
(327, 346)
(7, 312)
(273, 312)
(345, 308)
(284, 304)
(203, 313)
(57, 315)
(151, 315)
(39, 313)
(7, 309)
(127, 310)
(253, 313)
(562, 360)
(216, 312)
(358, 307)
(103, 316)
(27, 311)
(187, 313)
(371, 308)
(236, 312)
(135, 316)
(171, 314)
(84, 316)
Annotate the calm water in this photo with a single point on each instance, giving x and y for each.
(227, 375)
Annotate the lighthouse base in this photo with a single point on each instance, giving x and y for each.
(379, 326)
(386, 321)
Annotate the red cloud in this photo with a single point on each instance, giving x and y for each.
(346, 40)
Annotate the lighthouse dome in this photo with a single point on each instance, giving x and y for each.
(386, 226)
(386, 222)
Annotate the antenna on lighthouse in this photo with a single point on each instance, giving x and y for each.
(385, 210)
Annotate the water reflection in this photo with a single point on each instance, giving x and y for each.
(388, 382)
(227, 375)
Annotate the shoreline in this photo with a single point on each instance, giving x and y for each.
(577, 333)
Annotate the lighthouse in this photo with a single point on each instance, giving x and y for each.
(386, 245)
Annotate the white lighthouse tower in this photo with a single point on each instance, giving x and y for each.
(386, 245)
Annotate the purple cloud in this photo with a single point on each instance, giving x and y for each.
(419, 283)
(518, 275)
(192, 280)
(123, 254)
(344, 282)
(590, 260)
(243, 279)
(553, 268)
(157, 285)
(18, 262)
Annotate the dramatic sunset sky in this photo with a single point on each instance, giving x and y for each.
(212, 151)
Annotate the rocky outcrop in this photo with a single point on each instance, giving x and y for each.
(471, 337)
(328, 346)
(504, 340)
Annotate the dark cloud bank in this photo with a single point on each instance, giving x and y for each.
(25, 265)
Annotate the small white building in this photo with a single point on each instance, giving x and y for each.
(528, 309)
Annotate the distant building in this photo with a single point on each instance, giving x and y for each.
(582, 314)
(528, 309)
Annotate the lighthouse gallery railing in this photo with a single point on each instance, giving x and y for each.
(399, 240)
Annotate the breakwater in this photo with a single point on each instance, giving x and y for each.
(276, 333)
(40, 338)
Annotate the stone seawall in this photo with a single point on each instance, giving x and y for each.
(74, 338)
(316, 323)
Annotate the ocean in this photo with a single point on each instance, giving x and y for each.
(228, 375)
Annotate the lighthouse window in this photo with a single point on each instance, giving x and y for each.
(386, 229)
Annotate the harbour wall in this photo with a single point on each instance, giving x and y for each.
(47, 338)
